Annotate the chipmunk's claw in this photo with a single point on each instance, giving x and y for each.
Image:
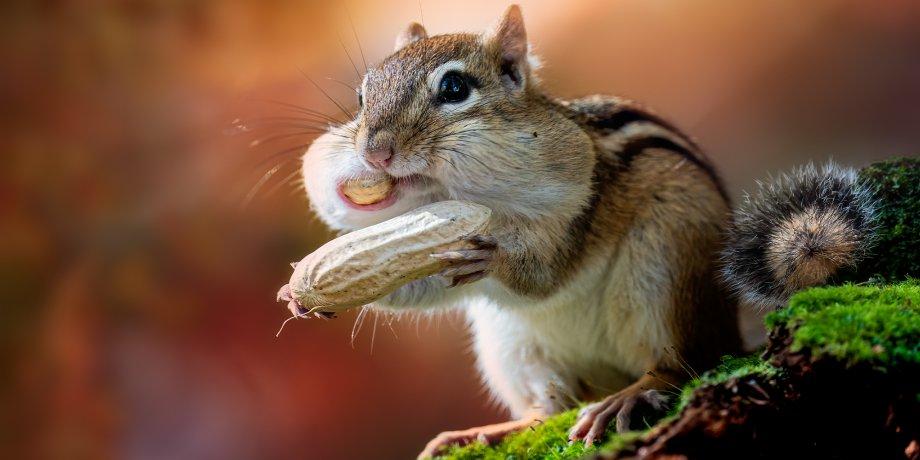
(468, 265)
(488, 435)
(594, 418)
(298, 310)
(465, 268)
(284, 294)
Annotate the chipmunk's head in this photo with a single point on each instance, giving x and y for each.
(446, 116)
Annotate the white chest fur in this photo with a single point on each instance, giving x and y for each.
(597, 333)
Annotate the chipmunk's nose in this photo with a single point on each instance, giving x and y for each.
(379, 158)
(378, 148)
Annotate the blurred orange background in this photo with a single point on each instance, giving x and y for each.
(139, 265)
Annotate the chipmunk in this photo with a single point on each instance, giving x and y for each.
(599, 277)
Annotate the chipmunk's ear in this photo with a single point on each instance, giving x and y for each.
(413, 33)
(510, 39)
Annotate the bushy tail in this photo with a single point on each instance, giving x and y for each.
(797, 231)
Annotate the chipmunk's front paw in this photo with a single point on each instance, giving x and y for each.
(469, 265)
(298, 310)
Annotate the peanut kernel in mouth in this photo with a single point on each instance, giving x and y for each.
(367, 190)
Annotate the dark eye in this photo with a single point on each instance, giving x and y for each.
(453, 88)
(360, 99)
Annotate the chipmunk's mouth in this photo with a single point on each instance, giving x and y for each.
(373, 193)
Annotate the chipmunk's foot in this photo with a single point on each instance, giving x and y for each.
(469, 265)
(298, 310)
(489, 434)
(594, 418)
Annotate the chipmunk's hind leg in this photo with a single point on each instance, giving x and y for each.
(489, 434)
(645, 394)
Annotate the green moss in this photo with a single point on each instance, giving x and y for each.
(856, 324)
(548, 440)
(872, 324)
(731, 367)
(896, 184)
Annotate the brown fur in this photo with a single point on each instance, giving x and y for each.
(673, 207)
(827, 230)
(668, 202)
(594, 194)
(656, 192)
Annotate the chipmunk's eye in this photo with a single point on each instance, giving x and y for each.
(360, 99)
(453, 88)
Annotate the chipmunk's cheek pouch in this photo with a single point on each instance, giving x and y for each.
(343, 192)
(328, 159)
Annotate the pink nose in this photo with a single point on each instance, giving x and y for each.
(379, 158)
